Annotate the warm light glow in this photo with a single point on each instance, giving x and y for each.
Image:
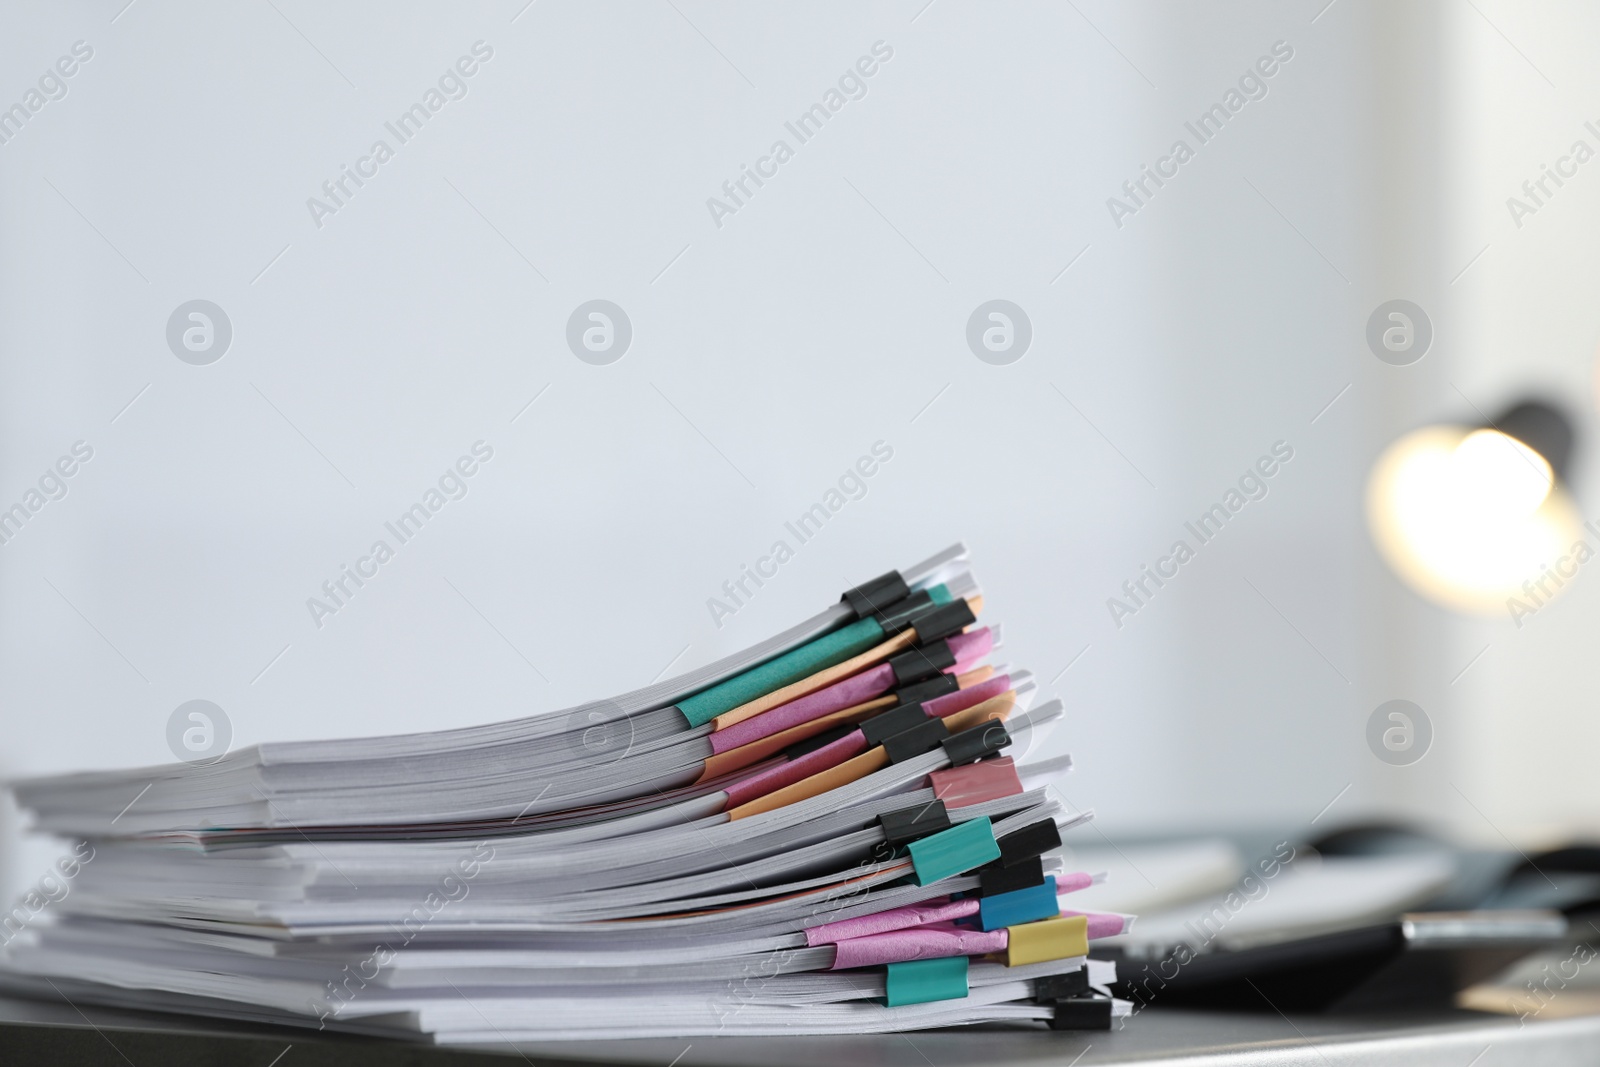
(1465, 517)
(1500, 473)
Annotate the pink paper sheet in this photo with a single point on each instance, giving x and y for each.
(943, 911)
(962, 699)
(1101, 924)
(972, 645)
(856, 689)
(933, 940)
(904, 918)
(918, 944)
(773, 778)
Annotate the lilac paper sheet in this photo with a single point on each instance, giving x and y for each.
(922, 943)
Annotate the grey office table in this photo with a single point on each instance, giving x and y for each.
(38, 1032)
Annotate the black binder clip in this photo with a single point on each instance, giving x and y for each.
(996, 878)
(1028, 843)
(898, 616)
(1082, 1013)
(942, 620)
(976, 742)
(894, 721)
(927, 689)
(874, 596)
(909, 824)
(923, 737)
(1061, 986)
(922, 662)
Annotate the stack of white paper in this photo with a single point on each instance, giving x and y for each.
(822, 834)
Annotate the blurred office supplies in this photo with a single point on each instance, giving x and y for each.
(1356, 920)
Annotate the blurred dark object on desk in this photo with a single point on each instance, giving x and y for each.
(1373, 917)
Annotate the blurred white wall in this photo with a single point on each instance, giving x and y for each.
(1522, 91)
(829, 312)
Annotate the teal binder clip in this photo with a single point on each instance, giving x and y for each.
(922, 981)
(963, 847)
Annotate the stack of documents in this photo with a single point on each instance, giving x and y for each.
(822, 834)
